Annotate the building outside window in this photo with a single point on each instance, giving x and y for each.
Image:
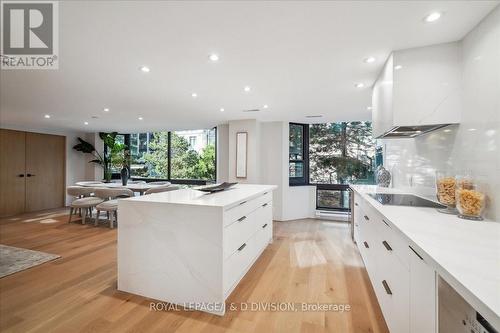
(180, 155)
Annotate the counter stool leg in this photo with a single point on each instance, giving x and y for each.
(70, 214)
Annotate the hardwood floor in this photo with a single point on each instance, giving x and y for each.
(310, 261)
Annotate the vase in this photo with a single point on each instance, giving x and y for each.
(383, 177)
(124, 175)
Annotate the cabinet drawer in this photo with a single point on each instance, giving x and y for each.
(245, 207)
(238, 263)
(394, 289)
(238, 232)
(392, 242)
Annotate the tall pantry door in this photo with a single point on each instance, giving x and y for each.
(45, 171)
(12, 175)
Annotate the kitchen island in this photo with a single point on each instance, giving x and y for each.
(191, 248)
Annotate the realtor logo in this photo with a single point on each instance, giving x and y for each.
(29, 35)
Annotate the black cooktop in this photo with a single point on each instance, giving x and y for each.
(404, 200)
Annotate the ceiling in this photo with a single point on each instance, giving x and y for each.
(299, 58)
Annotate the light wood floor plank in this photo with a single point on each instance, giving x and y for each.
(310, 261)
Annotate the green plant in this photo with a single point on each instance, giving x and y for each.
(114, 152)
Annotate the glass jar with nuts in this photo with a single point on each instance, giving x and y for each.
(445, 191)
(470, 198)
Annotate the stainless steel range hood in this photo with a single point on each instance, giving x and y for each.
(400, 132)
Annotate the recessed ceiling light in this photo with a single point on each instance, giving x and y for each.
(472, 129)
(398, 67)
(432, 17)
(221, 109)
(247, 89)
(106, 109)
(145, 69)
(265, 106)
(369, 60)
(47, 116)
(140, 118)
(359, 85)
(213, 57)
(194, 95)
(369, 108)
(86, 123)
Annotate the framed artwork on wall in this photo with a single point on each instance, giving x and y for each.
(241, 154)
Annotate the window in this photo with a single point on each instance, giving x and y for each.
(192, 142)
(298, 154)
(331, 156)
(186, 156)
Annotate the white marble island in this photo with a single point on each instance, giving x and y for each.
(190, 248)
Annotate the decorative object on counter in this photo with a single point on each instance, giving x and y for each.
(445, 191)
(470, 198)
(383, 177)
(216, 187)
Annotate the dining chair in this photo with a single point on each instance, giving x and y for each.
(110, 203)
(163, 188)
(160, 183)
(84, 202)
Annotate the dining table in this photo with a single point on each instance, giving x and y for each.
(134, 187)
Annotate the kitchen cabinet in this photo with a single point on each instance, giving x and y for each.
(423, 308)
(418, 90)
(403, 281)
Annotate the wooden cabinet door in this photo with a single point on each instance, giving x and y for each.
(45, 171)
(12, 177)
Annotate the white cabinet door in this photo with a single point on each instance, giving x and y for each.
(422, 295)
(382, 96)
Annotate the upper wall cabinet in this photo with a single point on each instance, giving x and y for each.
(418, 90)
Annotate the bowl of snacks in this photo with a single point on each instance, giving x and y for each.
(445, 191)
(470, 199)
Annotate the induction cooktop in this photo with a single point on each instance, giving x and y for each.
(404, 200)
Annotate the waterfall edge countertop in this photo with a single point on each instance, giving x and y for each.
(465, 253)
(226, 199)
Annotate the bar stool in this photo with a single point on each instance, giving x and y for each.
(84, 202)
(110, 197)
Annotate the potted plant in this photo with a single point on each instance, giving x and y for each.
(113, 148)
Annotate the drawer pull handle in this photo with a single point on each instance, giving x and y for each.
(264, 205)
(387, 224)
(21, 175)
(356, 204)
(243, 218)
(265, 225)
(242, 247)
(265, 193)
(386, 287)
(418, 255)
(366, 245)
(366, 218)
(387, 246)
(242, 203)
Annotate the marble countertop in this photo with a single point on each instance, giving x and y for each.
(465, 253)
(225, 199)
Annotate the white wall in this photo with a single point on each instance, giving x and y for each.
(268, 145)
(252, 127)
(222, 153)
(76, 162)
(475, 143)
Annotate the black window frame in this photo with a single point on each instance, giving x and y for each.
(116, 175)
(304, 180)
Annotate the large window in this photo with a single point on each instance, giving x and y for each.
(186, 156)
(298, 154)
(331, 156)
